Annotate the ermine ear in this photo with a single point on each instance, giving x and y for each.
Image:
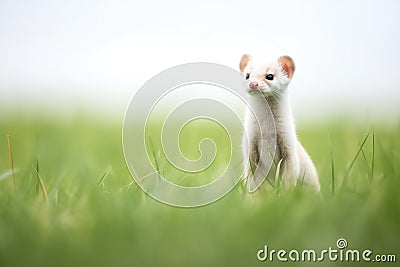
(244, 61)
(288, 66)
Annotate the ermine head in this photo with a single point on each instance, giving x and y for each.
(270, 79)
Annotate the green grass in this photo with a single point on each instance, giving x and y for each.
(75, 204)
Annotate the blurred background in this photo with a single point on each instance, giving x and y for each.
(69, 56)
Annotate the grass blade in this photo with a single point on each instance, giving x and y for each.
(37, 183)
(365, 159)
(360, 148)
(358, 152)
(11, 162)
(373, 156)
(252, 170)
(278, 175)
(41, 184)
(272, 157)
(332, 168)
(104, 176)
(154, 154)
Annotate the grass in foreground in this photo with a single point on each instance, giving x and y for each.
(75, 203)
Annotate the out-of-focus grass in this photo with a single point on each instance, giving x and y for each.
(96, 217)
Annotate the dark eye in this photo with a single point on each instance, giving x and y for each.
(269, 77)
(247, 76)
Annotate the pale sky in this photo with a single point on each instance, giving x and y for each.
(94, 55)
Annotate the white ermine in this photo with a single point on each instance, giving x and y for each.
(268, 83)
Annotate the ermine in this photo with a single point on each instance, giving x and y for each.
(267, 84)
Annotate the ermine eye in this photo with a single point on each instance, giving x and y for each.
(247, 76)
(269, 77)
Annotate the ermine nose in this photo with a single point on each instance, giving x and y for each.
(253, 85)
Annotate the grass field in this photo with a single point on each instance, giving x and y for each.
(74, 203)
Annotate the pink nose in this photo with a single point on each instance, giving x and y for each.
(253, 85)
